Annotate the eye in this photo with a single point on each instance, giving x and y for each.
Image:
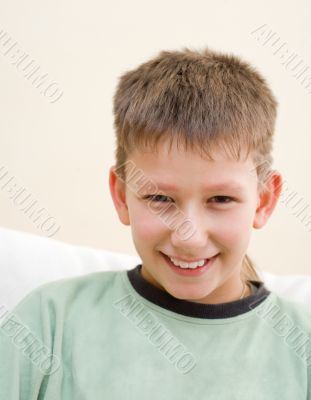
(159, 198)
(155, 198)
(228, 198)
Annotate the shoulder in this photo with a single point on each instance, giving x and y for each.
(47, 313)
(290, 321)
(286, 315)
(61, 295)
(95, 281)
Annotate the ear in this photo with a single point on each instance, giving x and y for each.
(117, 190)
(268, 198)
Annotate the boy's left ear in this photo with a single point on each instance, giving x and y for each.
(268, 198)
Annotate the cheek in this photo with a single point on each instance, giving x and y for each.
(234, 228)
(146, 221)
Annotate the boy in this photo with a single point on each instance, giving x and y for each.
(194, 135)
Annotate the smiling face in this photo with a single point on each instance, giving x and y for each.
(219, 198)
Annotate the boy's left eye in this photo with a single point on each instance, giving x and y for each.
(224, 197)
(155, 197)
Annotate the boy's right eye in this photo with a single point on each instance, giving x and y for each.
(155, 198)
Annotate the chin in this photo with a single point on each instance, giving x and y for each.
(190, 295)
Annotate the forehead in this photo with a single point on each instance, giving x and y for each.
(175, 168)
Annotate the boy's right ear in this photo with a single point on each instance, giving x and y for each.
(117, 190)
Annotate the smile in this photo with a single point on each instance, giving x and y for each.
(189, 269)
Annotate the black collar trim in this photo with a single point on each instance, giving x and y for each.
(192, 309)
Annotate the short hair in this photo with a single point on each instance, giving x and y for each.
(204, 99)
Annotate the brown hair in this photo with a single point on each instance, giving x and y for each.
(201, 98)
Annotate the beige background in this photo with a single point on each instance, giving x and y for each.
(61, 152)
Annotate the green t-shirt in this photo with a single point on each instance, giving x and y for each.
(112, 335)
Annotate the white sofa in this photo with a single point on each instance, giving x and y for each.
(27, 261)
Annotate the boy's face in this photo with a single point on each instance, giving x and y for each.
(220, 225)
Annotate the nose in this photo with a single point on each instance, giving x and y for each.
(189, 234)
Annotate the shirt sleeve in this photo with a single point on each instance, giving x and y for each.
(309, 381)
(27, 361)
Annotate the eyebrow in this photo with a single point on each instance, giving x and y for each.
(215, 187)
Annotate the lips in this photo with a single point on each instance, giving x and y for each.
(190, 272)
(187, 260)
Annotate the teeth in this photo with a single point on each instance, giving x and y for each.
(187, 265)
